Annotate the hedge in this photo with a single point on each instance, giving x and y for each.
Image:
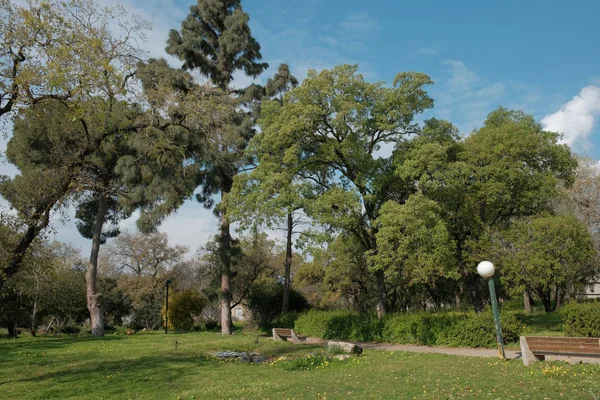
(343, 325)
(582, 319)
(456, 329)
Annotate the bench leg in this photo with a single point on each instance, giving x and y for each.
(526, 354)
(276, 337)
(295, 338)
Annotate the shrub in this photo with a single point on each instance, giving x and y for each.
(419, 328)
(182, 308)
(468, 329)
(264, 303)
(478, 330)
(582, 319)
(344, 325)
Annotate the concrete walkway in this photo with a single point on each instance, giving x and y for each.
(455, 351)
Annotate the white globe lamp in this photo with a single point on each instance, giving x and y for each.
(486, 269)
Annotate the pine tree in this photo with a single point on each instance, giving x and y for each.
(215, 39)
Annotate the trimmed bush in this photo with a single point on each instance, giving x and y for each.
(456, 329)
(582, 319)
(478, 330)
(419, 327)
(343, 325)
(182, 308)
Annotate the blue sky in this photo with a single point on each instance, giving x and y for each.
(538, 56)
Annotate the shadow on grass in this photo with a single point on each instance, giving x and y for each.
(149, 367)
(9, 348)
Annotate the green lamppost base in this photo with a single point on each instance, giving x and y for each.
(496, 313)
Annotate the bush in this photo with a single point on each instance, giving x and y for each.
(457, 329)
(582, 319)
(182, 308)
(419, 327)
(343, 325)
(264, 303)
(478, 330)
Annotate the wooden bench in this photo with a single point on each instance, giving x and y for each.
(285, 334)
(536, 348)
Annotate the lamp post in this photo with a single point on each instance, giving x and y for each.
(167, 306)
(486, 270)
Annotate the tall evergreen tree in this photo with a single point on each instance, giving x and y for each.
(215, 39)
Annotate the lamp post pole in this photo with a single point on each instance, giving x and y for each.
(167, 306)
(486, 270)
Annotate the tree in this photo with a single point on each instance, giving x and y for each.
(414, 244)
(141, 262)
(215, 39)
(63, 50)
(111, 157)
(547, 255)
(269, 195)
(331, 126)
(57, 52)
(254, 262)
(144, 254)
(583, 199)
(507, 169)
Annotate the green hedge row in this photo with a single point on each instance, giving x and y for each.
(582, 319)
(456, 329)
(343, 325)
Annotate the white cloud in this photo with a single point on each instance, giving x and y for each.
(577, 118)
(461, 79)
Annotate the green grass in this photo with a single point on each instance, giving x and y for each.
(147, 366)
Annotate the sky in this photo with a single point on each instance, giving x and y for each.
(537, 56)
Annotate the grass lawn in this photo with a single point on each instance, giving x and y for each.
(147, 366)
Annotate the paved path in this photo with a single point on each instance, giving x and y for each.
(455, 351)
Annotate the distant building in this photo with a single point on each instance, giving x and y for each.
(592, 291)
(239, 313)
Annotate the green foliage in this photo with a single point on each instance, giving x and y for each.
(477, 330)
(456, 329)
(582, 319)
(215, 38)
(343, 325)
(286, 320)
(418, 327)
(147, 311)
(264, 303)
(414, 243)
(546, 254)
(183, 307)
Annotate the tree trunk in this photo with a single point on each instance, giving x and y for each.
(288, 264)
(458, 300)
(94, 299)
(12, 328)
(527, 301)
(225, 244)
(33, 318)
(381, 306)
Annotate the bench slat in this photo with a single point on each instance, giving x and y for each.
(565, 349)
(535, 339)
